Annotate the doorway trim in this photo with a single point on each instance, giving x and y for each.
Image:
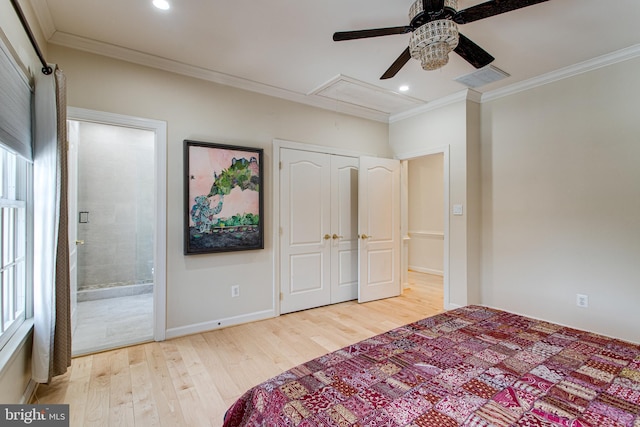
(160, 188)
(404, 158)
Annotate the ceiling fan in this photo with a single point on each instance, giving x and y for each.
(434, 32)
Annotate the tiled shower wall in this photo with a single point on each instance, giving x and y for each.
(115, 187)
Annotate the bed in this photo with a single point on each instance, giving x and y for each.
(472, 366)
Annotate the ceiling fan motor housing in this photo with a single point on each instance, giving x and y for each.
(418, 16)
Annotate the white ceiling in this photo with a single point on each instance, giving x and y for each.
(285, 48)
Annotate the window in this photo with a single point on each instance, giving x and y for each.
(14, 185)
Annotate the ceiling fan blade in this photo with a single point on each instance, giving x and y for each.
(374, 32)
(397, 65)
(491, 8)
(472, 53)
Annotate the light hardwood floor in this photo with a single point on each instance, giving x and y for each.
(191, 381)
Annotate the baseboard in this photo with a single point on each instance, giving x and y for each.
(219, 324)
(451, 306)
(29, 393)
(426, 270)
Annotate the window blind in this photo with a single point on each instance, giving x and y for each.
(15, 106)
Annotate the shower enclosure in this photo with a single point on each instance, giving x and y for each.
(115, 231)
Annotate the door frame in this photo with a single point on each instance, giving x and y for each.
(404, 214)
(160, 189)
(277, 145)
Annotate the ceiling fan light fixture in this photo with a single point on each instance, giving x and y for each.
(432, 42)
(434, 56)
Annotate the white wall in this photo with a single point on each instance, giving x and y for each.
(426, 213)
(551, 183)
(473, 213)
(561, 201)
(198, 287)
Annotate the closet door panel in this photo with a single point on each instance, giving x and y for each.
(379, 227)
(305, 219)
(344, 225)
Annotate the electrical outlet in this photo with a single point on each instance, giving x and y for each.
(582, 300)
(235, 291)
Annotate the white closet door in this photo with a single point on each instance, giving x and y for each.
(379, 228)
(344, 228)
(305, 218)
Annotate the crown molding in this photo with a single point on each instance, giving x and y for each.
(564, 73)
(68, 40)
(464, 95)
(554, 76)
(474, 96)
(157, 62)
(117, 52)
(43, 15)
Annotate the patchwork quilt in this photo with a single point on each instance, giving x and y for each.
(472, 366)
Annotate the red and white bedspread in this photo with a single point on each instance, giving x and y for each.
(472, 366)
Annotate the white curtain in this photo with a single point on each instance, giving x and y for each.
(52, 340)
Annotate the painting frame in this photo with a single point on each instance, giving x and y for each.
(223, 197)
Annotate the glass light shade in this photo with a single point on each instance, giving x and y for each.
(434, 56)
(442, 31)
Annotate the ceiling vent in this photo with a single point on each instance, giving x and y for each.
(483, 76)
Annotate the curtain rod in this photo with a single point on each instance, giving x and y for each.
(46, 69)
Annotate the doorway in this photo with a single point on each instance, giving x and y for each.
(116, 279)
(425, 222)
(425, 214)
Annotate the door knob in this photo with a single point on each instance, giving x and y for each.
(79, 242)
(364, 236)
(335, 236)
(327, 237)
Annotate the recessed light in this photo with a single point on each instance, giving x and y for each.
(162, 4)
(403, 88)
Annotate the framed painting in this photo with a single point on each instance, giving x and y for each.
(223, 198)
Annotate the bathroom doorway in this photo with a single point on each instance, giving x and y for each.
(114, 211)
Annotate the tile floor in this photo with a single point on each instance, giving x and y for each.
(113, 322)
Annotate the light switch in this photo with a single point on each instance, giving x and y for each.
(457, 209)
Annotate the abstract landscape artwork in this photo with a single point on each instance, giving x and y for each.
(223, 198)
